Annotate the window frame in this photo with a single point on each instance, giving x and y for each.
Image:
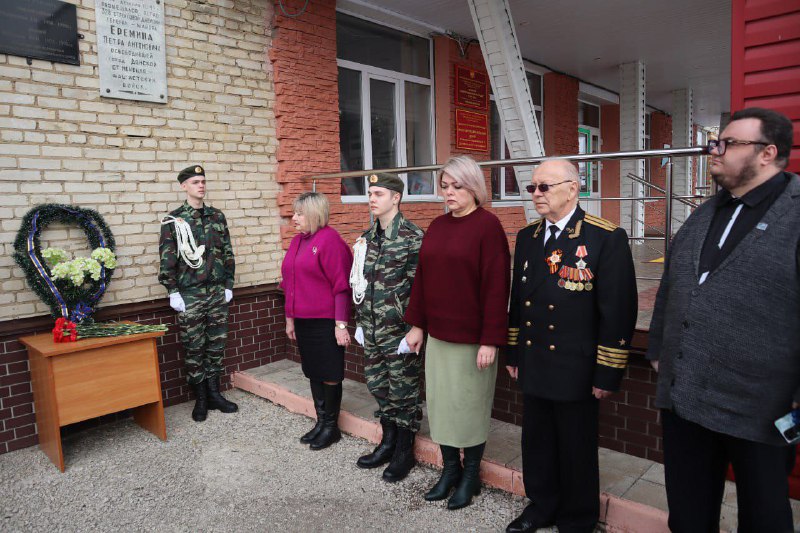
(399, 79)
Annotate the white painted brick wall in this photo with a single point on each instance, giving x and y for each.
(61, 142)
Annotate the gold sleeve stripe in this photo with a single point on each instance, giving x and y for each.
(612, 365)
(610, 357)
(613, 350)
(512, 343)
(513, 329)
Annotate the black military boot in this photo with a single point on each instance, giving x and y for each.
(451, 474)
(215, 399)
(470, 484)
(403, 459)
(318, 396)
(382, 454)
(330, 419)
(200, 411)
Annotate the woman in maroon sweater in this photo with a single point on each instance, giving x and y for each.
(460, 298)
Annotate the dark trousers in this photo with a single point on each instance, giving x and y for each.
(559, 463)
(695, 463)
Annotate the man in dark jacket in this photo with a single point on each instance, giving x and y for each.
(572, 314)
(725, 333)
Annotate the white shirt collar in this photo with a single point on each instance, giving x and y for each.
(561, 223)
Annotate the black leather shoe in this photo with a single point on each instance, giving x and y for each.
(329, 433)
(216, 400)
(527, 521)
(403, 459)
(318, 396)
(383, 453)
(470, 484)
(451, 474)
(522, 525)
(200, 411)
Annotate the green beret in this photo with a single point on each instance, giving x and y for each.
(190, 172)
(387, 181)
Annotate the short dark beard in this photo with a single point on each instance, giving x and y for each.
(745, 176)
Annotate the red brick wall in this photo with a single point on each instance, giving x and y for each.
(660, 134)
(256, 337)
(609, 185)
(560, 114)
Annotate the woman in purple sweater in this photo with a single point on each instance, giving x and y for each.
(316, 286)
(460, 299)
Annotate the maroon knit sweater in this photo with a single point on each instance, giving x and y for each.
(460, 291)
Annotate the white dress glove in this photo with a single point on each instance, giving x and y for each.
(359, 336)
(228, 295)
(404, 347)
(176, 302)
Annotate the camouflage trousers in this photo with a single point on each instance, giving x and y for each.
(393, 379)
(204, 330)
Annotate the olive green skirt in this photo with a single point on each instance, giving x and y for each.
(458, 395)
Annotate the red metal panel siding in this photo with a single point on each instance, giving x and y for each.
(765, 60)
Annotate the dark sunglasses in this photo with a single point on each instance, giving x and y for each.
(720, 145)
(543, 187)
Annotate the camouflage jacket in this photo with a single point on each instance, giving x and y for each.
(389, 269)
(210, 230)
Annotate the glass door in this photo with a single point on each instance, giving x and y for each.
(589, 173)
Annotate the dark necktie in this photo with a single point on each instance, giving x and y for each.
(550, 245)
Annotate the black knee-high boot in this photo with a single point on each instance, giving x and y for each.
(470, 484)
(329, 433)
(318, 396)
(451, 474)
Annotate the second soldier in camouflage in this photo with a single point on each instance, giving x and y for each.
(392, 374)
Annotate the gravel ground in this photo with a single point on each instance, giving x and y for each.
(241, 472)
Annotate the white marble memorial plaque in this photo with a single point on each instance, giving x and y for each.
(132, 56)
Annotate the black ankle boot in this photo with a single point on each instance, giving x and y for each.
(330, 419)
(382, 454)
(200, 411)
(216, 400)
(470, 484)
(403, 459)
(451, 474)
(319, 401)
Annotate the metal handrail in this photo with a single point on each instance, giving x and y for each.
(525, 161)
(682, 199)
(578, 158)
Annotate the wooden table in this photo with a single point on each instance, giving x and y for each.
(76, 381)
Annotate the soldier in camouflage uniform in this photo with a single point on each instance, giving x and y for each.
(392, 371)
(200, 284)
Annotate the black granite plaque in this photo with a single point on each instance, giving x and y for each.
(41, 29)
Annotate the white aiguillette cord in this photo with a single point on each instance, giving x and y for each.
(357, 280)
(191, 254)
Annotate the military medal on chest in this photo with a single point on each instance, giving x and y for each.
(577, 278)
(553, 260)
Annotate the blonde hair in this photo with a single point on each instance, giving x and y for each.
(466, 172)
(314, 206)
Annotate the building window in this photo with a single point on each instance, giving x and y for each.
(385, 105)
(504, 182)
(589, 141)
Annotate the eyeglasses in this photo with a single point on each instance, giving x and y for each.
(543, 187)
(721, 145)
